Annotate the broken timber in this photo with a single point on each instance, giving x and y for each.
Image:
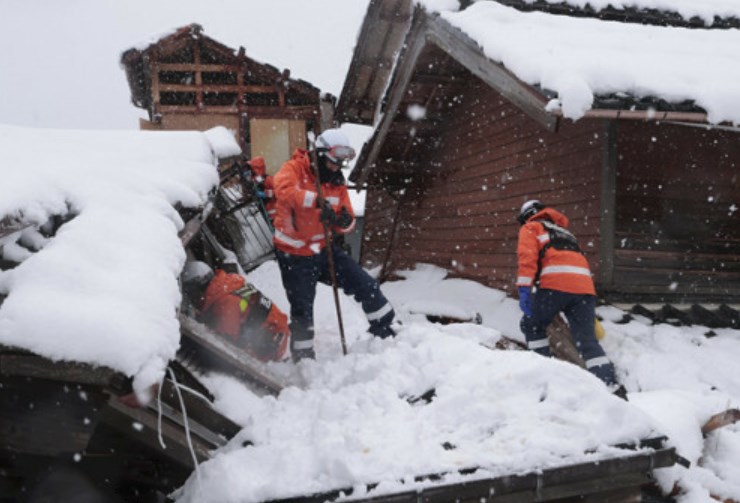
(605, 480)
(728, 417)
(217, 352)
(52, 410)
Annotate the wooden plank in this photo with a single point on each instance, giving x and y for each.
(602, 477)
(254, 111)
(218, 88)
(561, 342)
(730, 416)
(244, 366)
(10, 225)
(201, 411)
(677, 261)
(30, 365)
(208, 68)
(405, 68)
(142, 426)
(608, 205)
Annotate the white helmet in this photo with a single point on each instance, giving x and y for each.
(529, 209)
(334, 144)
(196, 273)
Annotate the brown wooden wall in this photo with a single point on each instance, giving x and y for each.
(677, 231)
(491, 159)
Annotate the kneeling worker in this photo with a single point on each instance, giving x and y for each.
(549, 257)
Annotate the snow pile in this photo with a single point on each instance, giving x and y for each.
(580, 58)
(104, 289)
(358, 419)
(681, 377)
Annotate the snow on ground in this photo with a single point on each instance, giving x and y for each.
(350, 421)
(104, 289)
(580, 58)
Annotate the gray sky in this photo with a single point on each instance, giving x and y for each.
(59, 60)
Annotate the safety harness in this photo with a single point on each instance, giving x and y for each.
(560, 239)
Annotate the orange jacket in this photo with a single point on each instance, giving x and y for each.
(298, 229)
(562, 270)
(237, 310)
(223, 308)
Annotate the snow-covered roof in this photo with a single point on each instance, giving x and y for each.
(706, 10)
(104, 289)
(582, 58)
(592, 63)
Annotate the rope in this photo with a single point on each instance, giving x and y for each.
(159, 417)
(185, 424)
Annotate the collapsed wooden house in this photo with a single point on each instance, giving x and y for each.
(70, 430)
(649, 186)
(188, 81)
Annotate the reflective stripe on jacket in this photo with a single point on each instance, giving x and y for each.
(562, 270)
(270, 196)
(298, 228)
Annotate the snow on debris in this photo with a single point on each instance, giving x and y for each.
(104, 289)
(351, 419)
(580, 58)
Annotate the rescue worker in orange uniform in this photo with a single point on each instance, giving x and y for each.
(301, 247)
(234, 308)
(264, 185)
(550, 259)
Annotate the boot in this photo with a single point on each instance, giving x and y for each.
(382, 331)
(621, 392)
(300, 354)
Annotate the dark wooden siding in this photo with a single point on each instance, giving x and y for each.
(490, 159)
(677, 232)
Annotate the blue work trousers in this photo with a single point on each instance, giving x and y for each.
(300, 275)
(579, 310)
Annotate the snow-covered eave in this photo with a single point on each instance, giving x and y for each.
(112, 255)
(635, 11)
(431, 28)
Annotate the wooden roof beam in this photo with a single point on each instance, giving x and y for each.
(217, 88)
(400, 79)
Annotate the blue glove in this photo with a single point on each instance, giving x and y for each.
(260, 194)
(525, 300)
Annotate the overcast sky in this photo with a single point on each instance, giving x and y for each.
(59, 63)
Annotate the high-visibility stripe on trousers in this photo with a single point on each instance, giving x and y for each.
(300, 275)
(579, 310)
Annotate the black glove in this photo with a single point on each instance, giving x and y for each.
(327, 215)
(344, 220)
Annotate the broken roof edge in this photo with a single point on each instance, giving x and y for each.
(587, 478)
(427, 29)
(637, 15)
(370, 28)
(133, 62)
